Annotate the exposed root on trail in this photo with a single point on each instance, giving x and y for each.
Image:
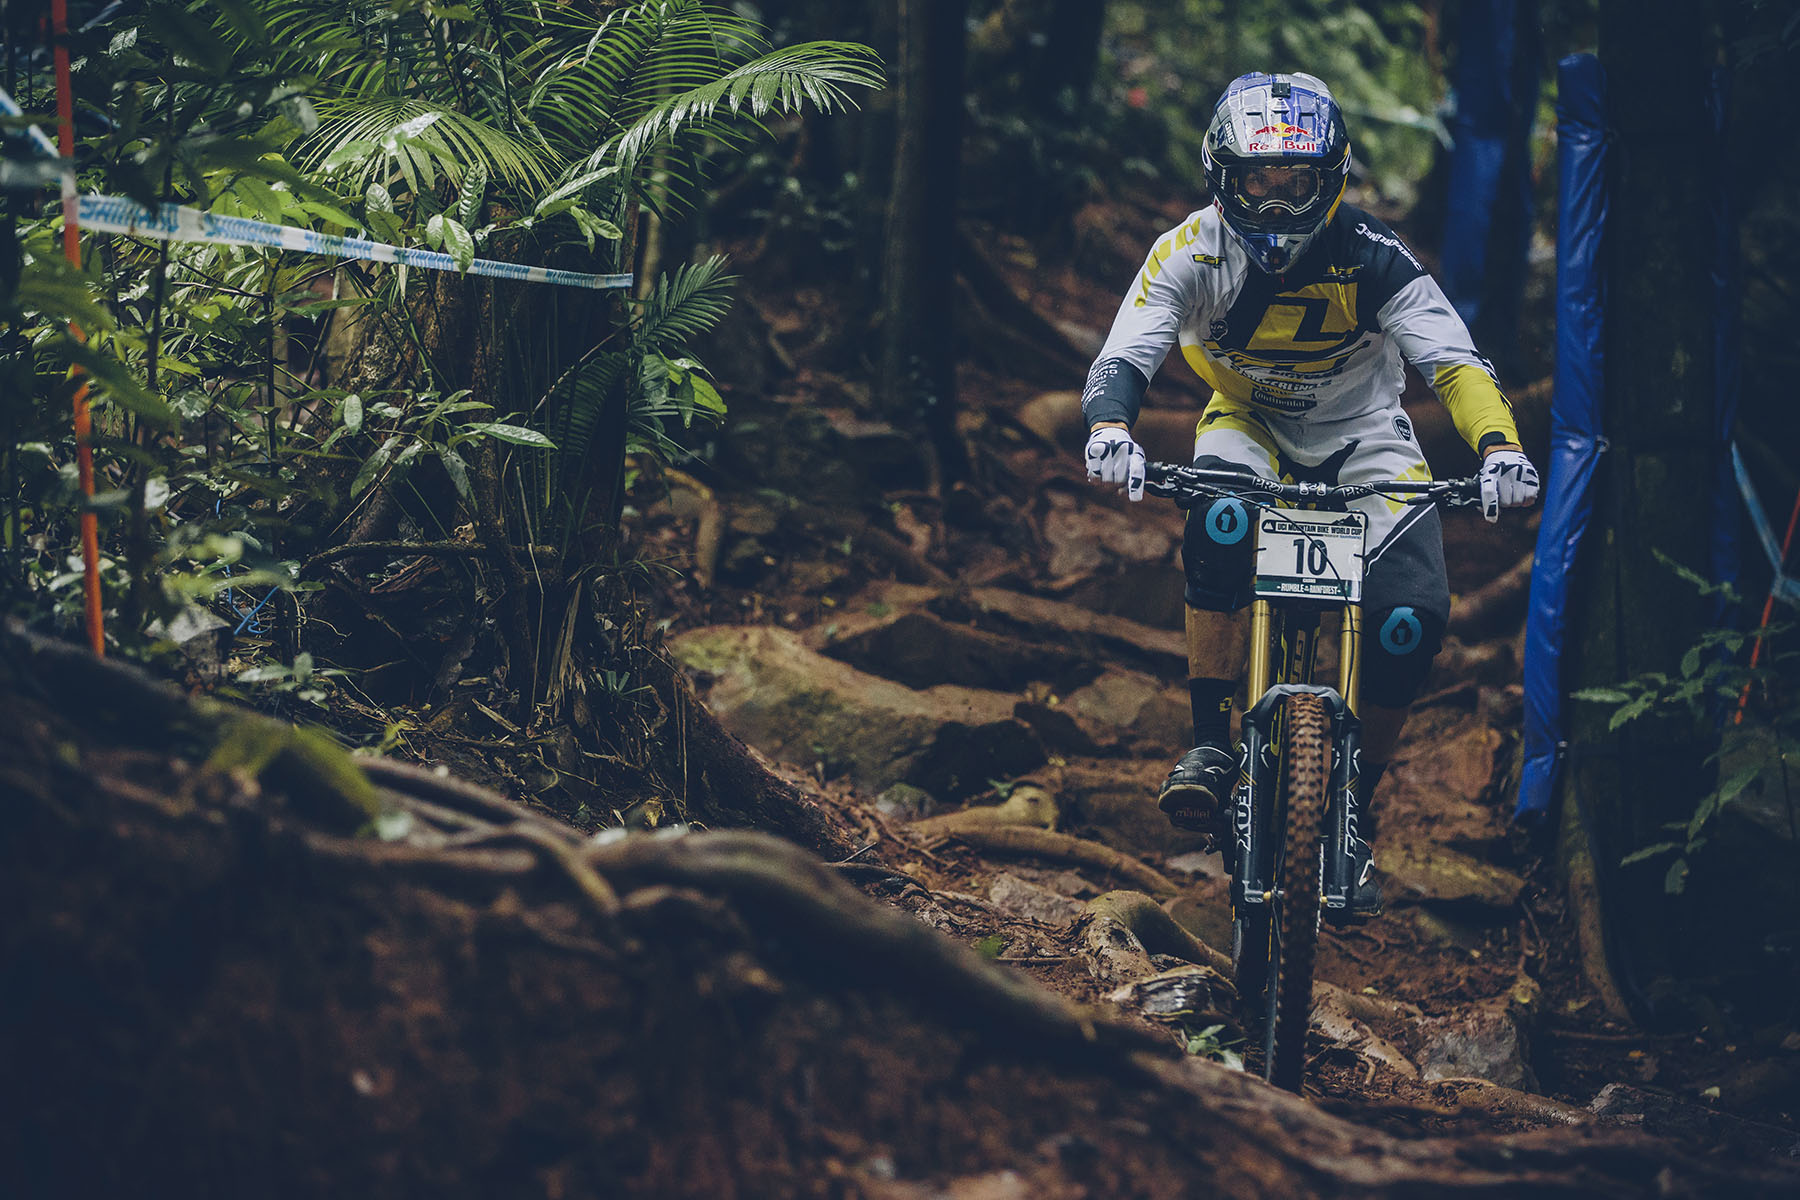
(1061, 847)
(1150, 927)
(1030, 805)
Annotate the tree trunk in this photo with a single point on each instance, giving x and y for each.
(1630, 614)
(918, 358)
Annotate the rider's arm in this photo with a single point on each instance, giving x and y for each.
(1435, 340)
(1147, 323)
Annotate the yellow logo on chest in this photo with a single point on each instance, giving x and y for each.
(1318, 320)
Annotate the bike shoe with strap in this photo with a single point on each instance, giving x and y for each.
(1363, 897)
(1196, 792)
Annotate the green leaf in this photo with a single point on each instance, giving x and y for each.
(570, 191)
(991, 946)
(260, 199)
(434, 231)
(459, 243)
(331, 214)
(1675, 882)
(377, 199)
(1630, 712)
(1729, 790)
(706, 395)
(353, 412)
(115, 380)
(1649, 852)
(189, 37)
(516, 434)
(458, 471)
(1602, 695)
(471, 193)
(372, 466)
(60, 294)
(354, 151)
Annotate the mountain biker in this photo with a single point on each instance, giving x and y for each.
(1297, 308)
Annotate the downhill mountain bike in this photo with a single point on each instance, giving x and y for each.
(1287, 847)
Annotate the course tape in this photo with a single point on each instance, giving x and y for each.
(39, 138)
(1784, 586)
(182, 223)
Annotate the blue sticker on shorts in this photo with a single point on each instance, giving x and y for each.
(1400, 633)
(1227, 522)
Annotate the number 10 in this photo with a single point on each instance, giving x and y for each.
(1310, 556)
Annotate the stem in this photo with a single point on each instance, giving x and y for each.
(137, 544)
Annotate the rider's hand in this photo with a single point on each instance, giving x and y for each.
(1508, 480)
(1112, 457)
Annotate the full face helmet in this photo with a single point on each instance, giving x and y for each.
(1277, 157)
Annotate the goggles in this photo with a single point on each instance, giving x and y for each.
(1268, 188)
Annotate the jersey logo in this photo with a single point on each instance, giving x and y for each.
(1386, 240)
(1313, 325)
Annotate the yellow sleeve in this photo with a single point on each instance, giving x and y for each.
(1476, 404)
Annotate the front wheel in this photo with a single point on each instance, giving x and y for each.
(1306, 773)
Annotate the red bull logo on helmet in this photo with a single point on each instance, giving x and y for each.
(1283, 138)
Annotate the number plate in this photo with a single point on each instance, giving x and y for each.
(1316, 555)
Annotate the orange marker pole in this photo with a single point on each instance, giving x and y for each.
(84, 425)
(1768, 609)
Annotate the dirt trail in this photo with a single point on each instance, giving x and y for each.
(1046, 672)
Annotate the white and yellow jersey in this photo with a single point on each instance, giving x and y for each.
(1321, 343)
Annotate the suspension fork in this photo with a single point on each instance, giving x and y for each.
(1346, 764)
(1283, 645)
(1250, 872)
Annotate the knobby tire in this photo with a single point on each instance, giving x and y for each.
(1306, 772)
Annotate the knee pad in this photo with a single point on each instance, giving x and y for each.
(1215, 555)
(1398, 646)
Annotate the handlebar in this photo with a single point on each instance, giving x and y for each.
(1193, 484)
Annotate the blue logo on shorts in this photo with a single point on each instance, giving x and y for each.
(1400, 633)
(1227, 522)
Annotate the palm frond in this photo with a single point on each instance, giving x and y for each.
(452, 143)
(684, 307)
(819, 73)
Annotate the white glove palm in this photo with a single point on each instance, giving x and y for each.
(1112, 457)
(1508, 480)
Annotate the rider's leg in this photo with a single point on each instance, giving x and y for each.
(1216, 650)
(1215, 556)
(1381, 728)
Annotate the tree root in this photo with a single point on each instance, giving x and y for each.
(1030, 805)
(1153, 928)
(724, 782)
(1480, 1096)
(778, 885)
(1576, 863)
(1061, 847)
(1336, 1017)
